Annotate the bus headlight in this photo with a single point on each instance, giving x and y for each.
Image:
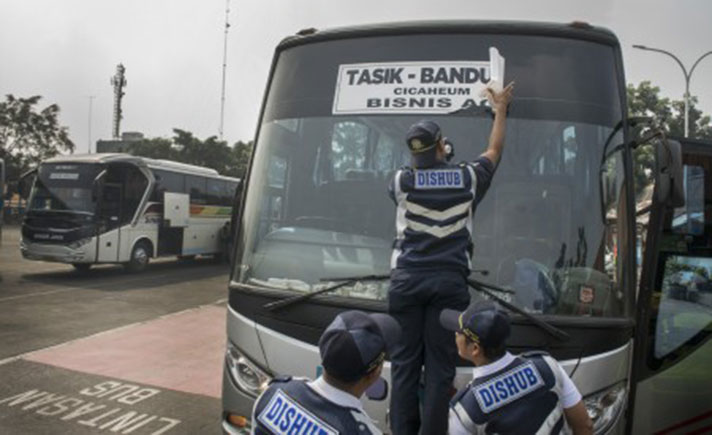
(248, 377)
(605, 406)
(79, 243)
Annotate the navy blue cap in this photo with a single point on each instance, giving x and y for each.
(355, 343)
(422, 138)
(482, 323)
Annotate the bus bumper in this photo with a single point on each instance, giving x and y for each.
(57, 253)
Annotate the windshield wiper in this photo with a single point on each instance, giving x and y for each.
(286, 302)
(475, 284)
(44, 210)
(551, 329)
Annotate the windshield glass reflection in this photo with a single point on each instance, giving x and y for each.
(319, 207)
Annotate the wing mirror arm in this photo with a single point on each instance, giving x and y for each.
(98, 186)
(24, 185)
(669, 173)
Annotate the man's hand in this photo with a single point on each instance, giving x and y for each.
(578, 419)
(500, 100)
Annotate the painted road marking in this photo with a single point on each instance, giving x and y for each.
(183, 351)
(108, 417)
(120, 283)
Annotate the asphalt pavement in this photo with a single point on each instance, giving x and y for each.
(106, 351)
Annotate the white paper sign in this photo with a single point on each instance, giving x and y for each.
(410, 87)
(496, 82)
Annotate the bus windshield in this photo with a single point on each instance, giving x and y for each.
(317, 203)
(65, 187)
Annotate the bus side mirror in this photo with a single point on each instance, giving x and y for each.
(24, 186)
(668, 173)
(378, 391)
(98, 186)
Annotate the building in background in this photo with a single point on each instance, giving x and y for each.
(118, 145)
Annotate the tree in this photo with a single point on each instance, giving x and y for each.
(156, 148)
(29, 135)
(242, 151)
(186, 148)
(645, 100)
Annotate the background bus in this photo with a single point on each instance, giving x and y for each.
(557, 228)
(117, 208)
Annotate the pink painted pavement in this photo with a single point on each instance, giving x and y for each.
(182, 352)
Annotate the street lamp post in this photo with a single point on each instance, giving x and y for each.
(91, 101)
(687, 74)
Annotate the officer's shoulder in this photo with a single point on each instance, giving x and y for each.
(284, 379)
(543, 357)
(461, 394)
(532, 354)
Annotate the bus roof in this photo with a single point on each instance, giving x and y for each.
(139, 161)
(574, 30)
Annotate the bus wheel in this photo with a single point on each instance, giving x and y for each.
(139, 258)
(82, 267)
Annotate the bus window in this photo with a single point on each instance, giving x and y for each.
(134, 187)
(685, 309)
(348, 150)
(167, 181)
(195, 187)
(229, 193)
(215, 189)
(690, 218)
(110, 206)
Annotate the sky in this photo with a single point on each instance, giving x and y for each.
(67, 51)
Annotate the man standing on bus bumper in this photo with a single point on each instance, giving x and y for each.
(430, 263)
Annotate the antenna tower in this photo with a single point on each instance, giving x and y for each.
(119, 82)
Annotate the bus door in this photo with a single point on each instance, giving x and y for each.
(672, 367)
(109, 223)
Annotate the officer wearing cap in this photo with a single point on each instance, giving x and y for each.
(524, 394)
(435, 203)
(353, 348)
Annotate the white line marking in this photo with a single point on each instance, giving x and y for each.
(109, 331)
(147, 279)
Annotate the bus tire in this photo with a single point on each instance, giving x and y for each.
(140, 255)
(81, 267)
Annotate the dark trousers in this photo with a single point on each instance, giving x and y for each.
(415, 300)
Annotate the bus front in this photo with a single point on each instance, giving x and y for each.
(59, 222)
(553, 233)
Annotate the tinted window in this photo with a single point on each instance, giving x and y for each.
(229, 192)
(196, 188)
(134, 187)
(557, 78)
(167, 182)
(215, 190)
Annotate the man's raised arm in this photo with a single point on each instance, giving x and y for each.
(499, 102)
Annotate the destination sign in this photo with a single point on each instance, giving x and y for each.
(410, 87)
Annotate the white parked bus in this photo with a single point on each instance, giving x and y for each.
(118, 208)
(555, 237)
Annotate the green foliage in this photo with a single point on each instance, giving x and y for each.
(645, 100)
(29, 135)
(186, 148)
